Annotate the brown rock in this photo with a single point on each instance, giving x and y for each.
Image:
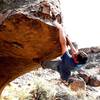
(94, 81)
(85, 76)
(26, 40)
(76, 84)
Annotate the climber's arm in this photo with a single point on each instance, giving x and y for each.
(62, 37)
(74, 51)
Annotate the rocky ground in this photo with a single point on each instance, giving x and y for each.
(45, 84)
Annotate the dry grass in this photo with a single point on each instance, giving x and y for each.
(39, 88)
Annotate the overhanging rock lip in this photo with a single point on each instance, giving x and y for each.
(25, 16)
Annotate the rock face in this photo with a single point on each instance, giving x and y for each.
(27, 36)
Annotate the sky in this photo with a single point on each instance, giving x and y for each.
(82, 21)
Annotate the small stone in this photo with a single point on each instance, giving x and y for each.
(19, 86)
(29, 84)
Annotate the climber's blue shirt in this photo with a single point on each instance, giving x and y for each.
(67, 65)
(68, 61)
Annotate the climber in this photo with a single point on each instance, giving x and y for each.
(69, 61)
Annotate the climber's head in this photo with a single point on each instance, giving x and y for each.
(82, 57)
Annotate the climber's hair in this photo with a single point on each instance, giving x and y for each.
(82, 57)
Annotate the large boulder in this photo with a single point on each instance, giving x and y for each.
(27, 36)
